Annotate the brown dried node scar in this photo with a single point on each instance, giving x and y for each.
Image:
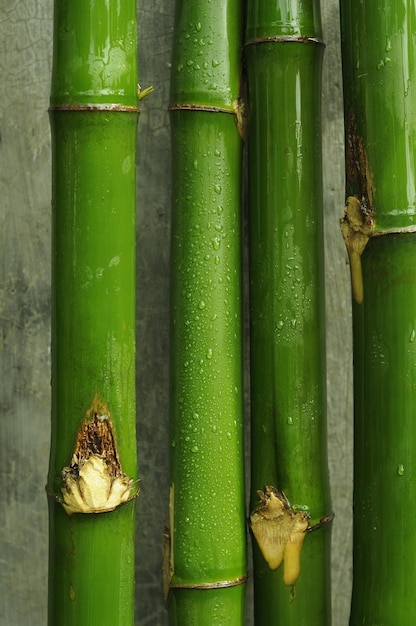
(94, 482)
(280, 531)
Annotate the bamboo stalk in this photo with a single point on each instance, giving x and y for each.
(93, 477)
(378, 43)
(283, 54)
(207, 569)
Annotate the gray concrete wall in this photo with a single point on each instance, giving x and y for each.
(25, 63)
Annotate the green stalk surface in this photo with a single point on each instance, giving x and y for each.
(378, 46)
(283, 54)
(94, 119)
(208, 527)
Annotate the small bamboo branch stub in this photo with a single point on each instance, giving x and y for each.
(94, 481)
(279, 531)
(357, 226)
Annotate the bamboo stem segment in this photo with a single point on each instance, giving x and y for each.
(283, 56)
(207, 569)
(378, 43)
(93, 476)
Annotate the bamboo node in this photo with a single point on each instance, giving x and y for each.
(94, 481)
(357, 226)
(279, 531)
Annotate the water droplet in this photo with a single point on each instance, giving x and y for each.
(194, 449)
(217, 260)
(215, 63)
(290, 420)
(196, 164)
(201, 305)
(173, 444)
(214, 428)
(400, 469)
(216, 242)
(217, 188)
(217, 152)
(198, 26)
(195, 416)
(280, 324)
(388, 45)
(412, 336)
(209, 353)
(189, 63)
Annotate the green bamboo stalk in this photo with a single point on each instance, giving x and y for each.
(207, 568)
(93, 477)
(378, 43)
(283, 54)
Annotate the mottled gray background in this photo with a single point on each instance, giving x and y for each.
(25, 181)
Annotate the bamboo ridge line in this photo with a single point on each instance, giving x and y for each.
(121, 108)
(394, 231)
(200, 107)
(216, 585)
(285, 39)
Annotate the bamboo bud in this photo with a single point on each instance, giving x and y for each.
(357, 226)
(279, 531)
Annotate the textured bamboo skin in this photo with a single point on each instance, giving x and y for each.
(379, 91)
(206, 61)
(207, 435)
(208, 527)
(385, 435)
(286, 297)
(95, 50)
(378, 43)
(94, 121)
